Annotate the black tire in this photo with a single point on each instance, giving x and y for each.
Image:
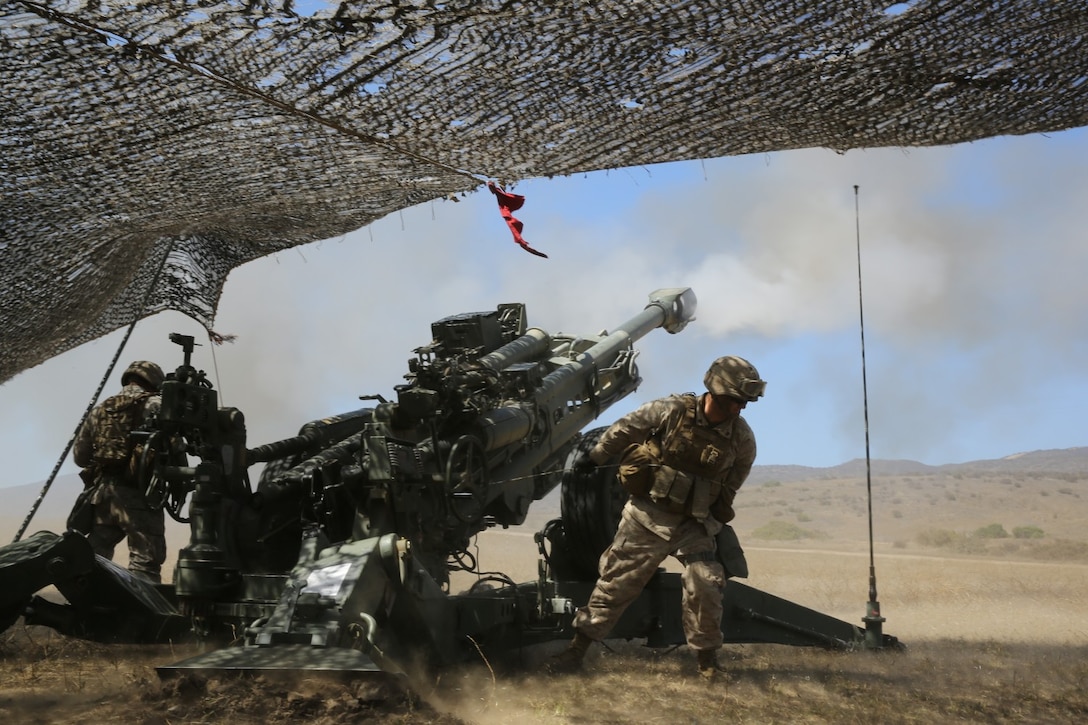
(590, 505)
(274, 532)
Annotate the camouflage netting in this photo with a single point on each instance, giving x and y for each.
(207, 133)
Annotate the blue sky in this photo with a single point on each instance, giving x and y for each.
(973, 259)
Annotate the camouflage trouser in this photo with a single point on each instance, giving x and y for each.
(121, 511)
(627, 565)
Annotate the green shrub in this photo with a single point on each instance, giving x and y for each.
(1027, 532)
(991, 531)
(937, 537)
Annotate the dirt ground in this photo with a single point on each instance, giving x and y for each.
(996, 631)
(987, 641)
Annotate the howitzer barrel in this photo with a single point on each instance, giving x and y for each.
(290, 481)
(577, 391)
(672, 309)
(578, 378)
(315, 433)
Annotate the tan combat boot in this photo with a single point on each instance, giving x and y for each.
(570, 659)
(707, 660)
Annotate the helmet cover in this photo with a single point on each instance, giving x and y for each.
(148, 372)
(734, 377)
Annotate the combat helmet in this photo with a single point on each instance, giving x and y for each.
(735, 377)
(148, 372)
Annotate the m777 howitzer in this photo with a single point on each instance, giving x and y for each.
(340, 558)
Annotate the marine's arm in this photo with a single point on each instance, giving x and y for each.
(722, 508)
(636, 427)
(83, 447)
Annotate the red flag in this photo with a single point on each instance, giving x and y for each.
(509, 203)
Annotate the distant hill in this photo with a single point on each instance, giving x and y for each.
(1054, 461)
(1061, 460)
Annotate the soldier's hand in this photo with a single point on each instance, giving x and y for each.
(584, 467)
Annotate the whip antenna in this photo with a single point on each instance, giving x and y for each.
(874, 635)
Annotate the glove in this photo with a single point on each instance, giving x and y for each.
(584, 467)
(722, 508)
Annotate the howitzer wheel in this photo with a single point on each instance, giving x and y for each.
(466, 479)
(590, 504)
(279, 530)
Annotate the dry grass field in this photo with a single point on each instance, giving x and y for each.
(983, 575)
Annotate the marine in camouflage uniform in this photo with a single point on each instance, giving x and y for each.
(682, 459)
(107, 455)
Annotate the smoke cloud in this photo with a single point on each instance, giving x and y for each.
(971, 258)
